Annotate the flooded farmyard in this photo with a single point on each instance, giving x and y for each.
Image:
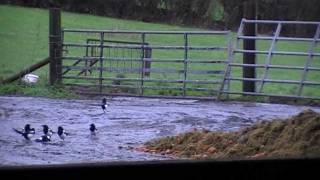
(128, 121)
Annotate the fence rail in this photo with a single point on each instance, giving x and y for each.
(112, 62)
(150, 46)
(146, 32)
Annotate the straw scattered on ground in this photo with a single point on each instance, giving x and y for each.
(297, 136)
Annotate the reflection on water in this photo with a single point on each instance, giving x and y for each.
(128, 121)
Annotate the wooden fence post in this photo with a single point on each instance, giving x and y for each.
(55, 46)
(249, 44)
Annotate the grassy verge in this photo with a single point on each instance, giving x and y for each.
(39, 89)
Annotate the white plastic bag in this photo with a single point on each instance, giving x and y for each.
(30, 78)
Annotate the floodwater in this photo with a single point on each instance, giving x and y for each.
(128, 121)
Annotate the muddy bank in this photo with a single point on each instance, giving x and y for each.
(128, 121)
(297, 136)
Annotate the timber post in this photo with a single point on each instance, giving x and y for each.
(249, 44)
(55, 46)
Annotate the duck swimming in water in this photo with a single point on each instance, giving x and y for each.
(27, 132)
(47, 133)
(47, 130)
(27, 129)
(104, 105)
(62, 133)
(44, 138)
(93, 129)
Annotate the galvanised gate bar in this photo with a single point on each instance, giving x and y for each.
(149, 63)
(291, 63)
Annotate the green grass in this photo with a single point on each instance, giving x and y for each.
(24, 41)
(39, 89)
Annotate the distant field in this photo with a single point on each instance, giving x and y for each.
(24, 34)
(24, 41)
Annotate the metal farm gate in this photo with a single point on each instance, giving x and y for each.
(145, 63)
(287, 65)
(196, 64)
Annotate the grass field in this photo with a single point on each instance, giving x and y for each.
(24, 41)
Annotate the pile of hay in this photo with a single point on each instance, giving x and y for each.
(298, 136)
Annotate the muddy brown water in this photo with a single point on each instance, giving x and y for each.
(128, 121)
